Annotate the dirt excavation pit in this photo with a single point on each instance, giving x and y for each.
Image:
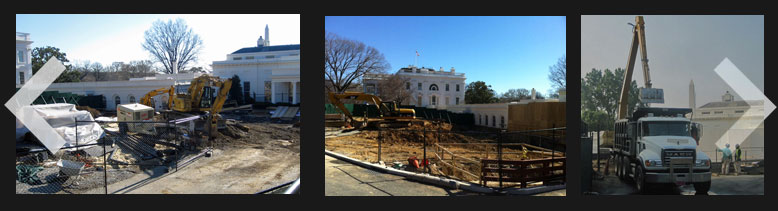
(400, 144)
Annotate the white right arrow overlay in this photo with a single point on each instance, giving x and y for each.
(750, 93)
(19, 105)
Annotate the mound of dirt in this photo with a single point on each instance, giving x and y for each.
(257, 133)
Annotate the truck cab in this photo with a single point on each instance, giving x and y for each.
(659, 146)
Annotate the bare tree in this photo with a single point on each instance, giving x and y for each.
(173, 44)
(90, 71)
(394, 88)
(557, 73)
(346, 61)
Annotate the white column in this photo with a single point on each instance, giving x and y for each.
(294, 92)
(273, 92)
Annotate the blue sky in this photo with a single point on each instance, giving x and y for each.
(505, 52)
(111, 38)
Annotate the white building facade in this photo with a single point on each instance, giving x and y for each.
(268, 73)
(729, 121)
(124, 92)
(428, 87)
(23, 58)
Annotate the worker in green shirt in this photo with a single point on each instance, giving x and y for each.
(737, 159)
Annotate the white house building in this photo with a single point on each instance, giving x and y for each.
(268, 73)
(719, 119)
(429, 88)
(23, 58)
(124, 92)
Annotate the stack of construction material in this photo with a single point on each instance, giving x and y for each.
(62, 117)
(285, 112)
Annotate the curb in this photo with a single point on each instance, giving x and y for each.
(445, 182)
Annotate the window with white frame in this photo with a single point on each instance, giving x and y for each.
(419, 87)
(433, 87)
(433, 100)
(20, 56)
(457, 101)
(457, 87)
(21, 77)
(447, 87)
(117, 100)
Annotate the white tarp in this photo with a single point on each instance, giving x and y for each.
(62, 117)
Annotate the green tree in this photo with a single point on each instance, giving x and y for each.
(600, 91)
(41, 55)
(597, 120)
(478, 92)
(236, 91)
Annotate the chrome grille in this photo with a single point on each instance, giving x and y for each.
(668, 154)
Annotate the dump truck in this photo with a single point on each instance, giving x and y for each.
(656, 145)
(659, 145)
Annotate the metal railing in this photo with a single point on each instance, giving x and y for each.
(464, 155)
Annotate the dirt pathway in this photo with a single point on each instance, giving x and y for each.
(231, 171)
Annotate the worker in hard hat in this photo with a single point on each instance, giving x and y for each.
(737, 159)
(726, 159)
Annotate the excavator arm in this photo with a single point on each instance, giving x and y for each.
(146, 100)
(648, 94)
(335, 99)
(218, 103)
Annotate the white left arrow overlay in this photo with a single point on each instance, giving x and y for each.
(750, 94)
(19, 105)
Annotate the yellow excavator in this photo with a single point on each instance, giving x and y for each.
(389, 113)
(148, 99)
(200, 98)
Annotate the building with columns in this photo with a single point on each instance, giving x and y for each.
(428, 87)
(268, 73)
(23, 58)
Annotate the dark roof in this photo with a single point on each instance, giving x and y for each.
(739, 103)
(268, 48)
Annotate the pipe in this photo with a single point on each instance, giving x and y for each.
(294, 188)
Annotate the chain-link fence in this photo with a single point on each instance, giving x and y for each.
(128, 155)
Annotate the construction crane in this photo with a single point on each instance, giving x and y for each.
(647, 94)
(388, 111)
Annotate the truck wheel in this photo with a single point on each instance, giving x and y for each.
(624, 168)
(640, 180)
(702, 188)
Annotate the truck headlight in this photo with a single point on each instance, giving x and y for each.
(702, 163)
(650, 163)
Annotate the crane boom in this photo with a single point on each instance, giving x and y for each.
(650, 94)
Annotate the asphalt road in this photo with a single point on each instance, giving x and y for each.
(345, 179)
(720, 185)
